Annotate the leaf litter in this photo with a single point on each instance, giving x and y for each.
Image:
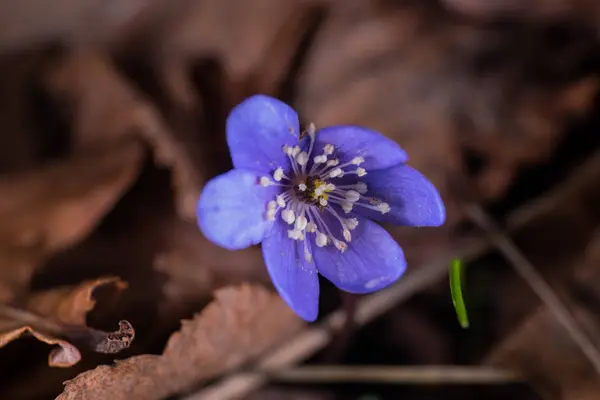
(58, 317)
(240, 324)
(76, 180)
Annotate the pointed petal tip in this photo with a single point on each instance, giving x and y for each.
(414, 199)
(305, 308)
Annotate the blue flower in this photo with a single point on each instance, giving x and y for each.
(312, 198)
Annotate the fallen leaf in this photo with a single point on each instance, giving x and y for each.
(54, 206)
(57, 317)
(105, 107)
(70, 305)
(241, 323)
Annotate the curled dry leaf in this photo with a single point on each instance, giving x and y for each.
(436, 85)
(105, 107)
(241, 323)
(46, 210)
(57, 317)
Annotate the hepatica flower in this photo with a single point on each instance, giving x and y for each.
(314, 200)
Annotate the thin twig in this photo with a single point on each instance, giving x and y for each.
(389, 374)
(537, 283)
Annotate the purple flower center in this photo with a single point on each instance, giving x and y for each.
(315, 199)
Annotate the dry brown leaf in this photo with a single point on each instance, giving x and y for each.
(104, 107)
(46, 210)
(241, 323)
(57, 317)
(435, 84)
(71, 305)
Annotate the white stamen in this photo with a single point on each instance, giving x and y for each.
(341, 246)
(352, 196)
(346, 206)
(307, 255)
(351, 223)
(311, 130)
(361, 187)
(291, 152)
(278, 174)
(301, 223)
(384, 208)
(347, 235)
(357, 160)
(295, 234)
(321, 239)
(320, 159)
(336, 172)
(305, 194)
(302, 158)
(288, 216)
(280, 200)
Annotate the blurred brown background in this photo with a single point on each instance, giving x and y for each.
(112, 118)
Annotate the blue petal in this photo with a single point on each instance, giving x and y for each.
(413, 199)
(257, 129)
(372, 261)
(351, 141)
(231, 210)
(295, 279)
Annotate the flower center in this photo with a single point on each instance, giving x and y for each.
(311, 202)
